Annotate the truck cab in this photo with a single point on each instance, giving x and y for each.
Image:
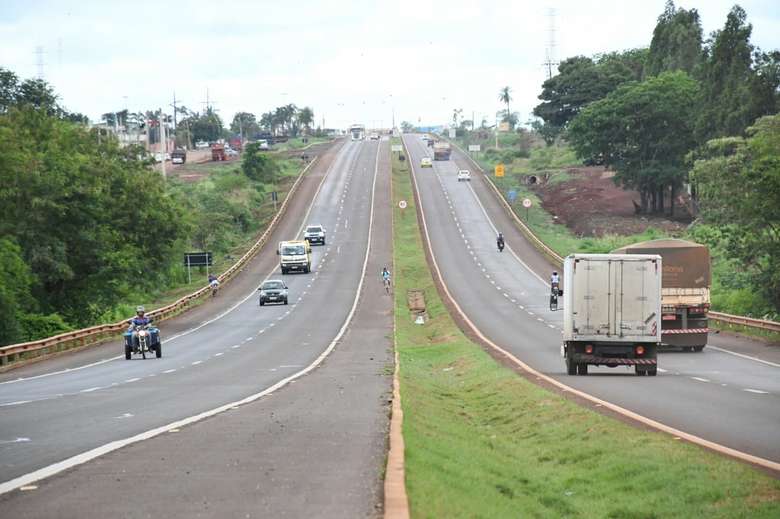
(294, 255)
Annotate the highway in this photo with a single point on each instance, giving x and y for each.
(226, 351)
(718, 396)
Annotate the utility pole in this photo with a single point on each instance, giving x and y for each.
(39, 60)
(174, 111)
(163, 142)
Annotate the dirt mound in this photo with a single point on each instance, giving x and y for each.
(590, 204)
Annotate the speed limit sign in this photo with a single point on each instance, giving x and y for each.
(402, 204)
(526, 203)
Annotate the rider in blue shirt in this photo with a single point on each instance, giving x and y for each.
(140, 318)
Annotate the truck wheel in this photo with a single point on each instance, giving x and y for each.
(640, 372)
(571, 367)
(652, 371)
(698, 348)
(128, 352)
(284, 270)
(158, 350)
(582, 369)
(285, 300)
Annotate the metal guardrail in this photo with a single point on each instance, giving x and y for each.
(86, 336)
(554, 257)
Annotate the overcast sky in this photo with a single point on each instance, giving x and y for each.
(350, 61)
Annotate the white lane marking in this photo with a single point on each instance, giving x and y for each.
(197, 362)
(530, 312)
(18, 402)
(700, 379)
(169, 371)
(17, 440)
(236, 346)
(134, 379)
(219, 354)
(757, 391)
(742, 355)
(123, 416)
(91, 389)
(551, 326)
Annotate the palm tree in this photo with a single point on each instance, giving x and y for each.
(306, 117)
(505, 95)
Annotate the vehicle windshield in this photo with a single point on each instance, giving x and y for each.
(273, 285)
(314, 229)
(293, 250)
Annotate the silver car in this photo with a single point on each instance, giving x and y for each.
(314, 234)
(273, 291)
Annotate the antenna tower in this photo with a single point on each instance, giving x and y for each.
(39, 60)
(549, 53)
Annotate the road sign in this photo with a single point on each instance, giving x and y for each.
(475, 147)
(512, 195)
(499, 170)
(396, 147)
(527, 203)
(453, 133)
(402, 204)
(197, 259)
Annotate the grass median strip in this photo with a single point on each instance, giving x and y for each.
(483, 442)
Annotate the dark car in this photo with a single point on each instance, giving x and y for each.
(273, 291)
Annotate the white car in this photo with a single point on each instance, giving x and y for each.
(426, 162)
(314, 233)
(464, 174)
(230, 152)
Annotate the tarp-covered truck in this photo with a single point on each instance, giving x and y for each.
(685, 290)
(611, 312)
(441, 151)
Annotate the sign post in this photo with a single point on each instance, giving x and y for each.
(275, 198)
(527, 204)
(197, 259)
(512, 195)
(499, 170)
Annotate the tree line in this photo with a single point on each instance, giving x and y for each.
(685, 111)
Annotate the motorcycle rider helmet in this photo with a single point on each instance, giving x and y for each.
(555, 273)
(140, 309)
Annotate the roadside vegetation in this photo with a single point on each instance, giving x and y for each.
(88, 230)
(482, 441)
(683, 114)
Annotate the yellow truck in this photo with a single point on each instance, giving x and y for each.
(294, 255)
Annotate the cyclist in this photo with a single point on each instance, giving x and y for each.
(386, 278)
(214, 284)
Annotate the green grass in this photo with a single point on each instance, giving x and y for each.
(483, 442)
(297, 143)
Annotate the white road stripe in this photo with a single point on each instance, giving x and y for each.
(757, 391)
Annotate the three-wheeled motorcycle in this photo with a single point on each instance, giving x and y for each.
(142, 339)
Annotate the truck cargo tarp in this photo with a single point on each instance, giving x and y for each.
(686, 264)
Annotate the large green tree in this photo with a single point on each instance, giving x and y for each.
(676, 43)
(734, 92)
(643, 130)
(206, 126)
(582, 80)
(738, 184)
(94, 223)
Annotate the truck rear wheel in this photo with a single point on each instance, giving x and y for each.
(652, 371)
(698, 348)
(582, 369)
(571, 367)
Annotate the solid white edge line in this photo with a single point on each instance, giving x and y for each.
(742, 355)
(91, 454)
(560, 385)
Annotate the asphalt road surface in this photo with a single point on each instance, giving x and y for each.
(716, 394)
(279, 455)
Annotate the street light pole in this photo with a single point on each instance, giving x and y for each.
(163, 142)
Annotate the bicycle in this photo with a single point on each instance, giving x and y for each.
(386, 282)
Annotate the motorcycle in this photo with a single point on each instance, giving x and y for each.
(500, 245)
(142, 339)
(555, 292)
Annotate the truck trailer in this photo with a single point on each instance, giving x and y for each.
(685, 290)
(611, 311)
(441, 151)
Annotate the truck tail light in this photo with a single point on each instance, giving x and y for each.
(588, 348)
(640, 350)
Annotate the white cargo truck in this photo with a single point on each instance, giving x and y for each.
(611, 311)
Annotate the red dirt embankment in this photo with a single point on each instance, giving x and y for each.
(590, 204)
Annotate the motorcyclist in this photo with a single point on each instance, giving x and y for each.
(213, 281)
(500, 242)
(140, 318)
(385, 274)
(555, 280)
